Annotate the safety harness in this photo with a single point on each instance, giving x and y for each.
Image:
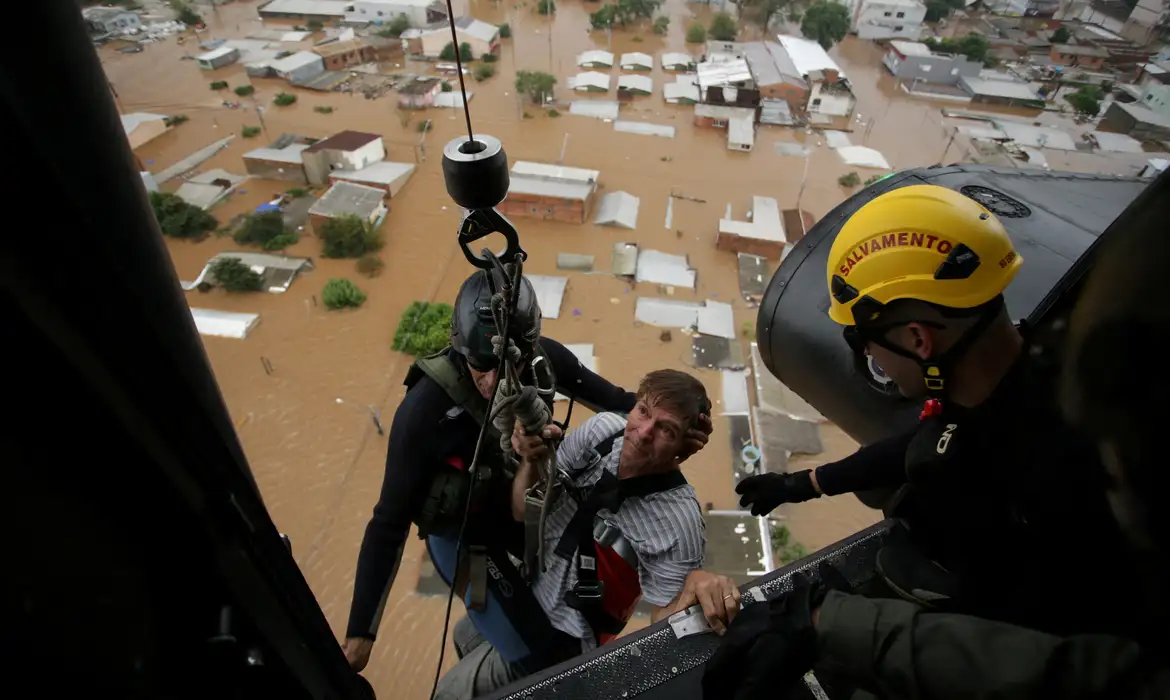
(579, 542)
(443, 507)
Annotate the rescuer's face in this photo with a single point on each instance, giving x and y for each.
(484, 381)
(654, 437)
(904, 371)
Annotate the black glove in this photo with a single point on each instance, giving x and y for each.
(767, 649)
(764, 492)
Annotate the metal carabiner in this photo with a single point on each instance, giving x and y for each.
(480, 223)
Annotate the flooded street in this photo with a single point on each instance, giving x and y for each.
(319, 462)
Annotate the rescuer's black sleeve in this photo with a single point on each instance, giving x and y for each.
(588, 388)
(878, 465)
(411, 458)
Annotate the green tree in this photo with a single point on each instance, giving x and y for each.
(219, 85)
(341, 293)
(505, 30)
(825, 22)
(634, 10)
(370, 265)
(185, 14)
(483, 71)
(284, 99)
(445, 86)
(696, 34)
(244, 90)
(315, 25)
(1060, 36)
(537, 85)
(233, 275)
(179, 219)
(973, 46)
(284, 240)
(604, 17)
(176, 120)
(938, 9)
(546, 7)
(250, 132)
(723, 27)
(785, 548)
(348, 237)
(448, 52)
(849, 180)
(465, 52)
(1086, 100)
(762, 12)
(425, 329)
(661, 25)
(395, 27)
(259, 229)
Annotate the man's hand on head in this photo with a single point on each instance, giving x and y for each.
(717, 594)
(533, 447)
(696, 438)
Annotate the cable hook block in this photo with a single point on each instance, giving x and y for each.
(479, 223)
(476, 172)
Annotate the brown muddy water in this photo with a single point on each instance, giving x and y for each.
(319, 462)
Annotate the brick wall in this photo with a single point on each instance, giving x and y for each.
(547, 208)
(753, 246)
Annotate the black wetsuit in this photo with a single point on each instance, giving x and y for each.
(422, 438)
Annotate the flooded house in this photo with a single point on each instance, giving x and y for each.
(675, 61)
(551, 192)
(340, 55)
(683, 91)
(763, 235)
(590, 81)
(728, 99)
(595, 59)
(321, 10)
(483, 37)
(108, 20)
(880, 20)
(632, 85)
(1137, 120)
(637, 61)
(345, 150)
(388, 176)
(913, 62)
(421, 12)
(218, 58)
(142, 127)
(277, 163)
(830, 98)
(297, 67)
(997, 88)
(419, 93)
(349, 199)
(1085, 56)
(276, 272)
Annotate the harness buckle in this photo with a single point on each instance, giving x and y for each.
(589, 592)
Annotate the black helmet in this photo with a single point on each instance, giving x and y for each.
(472, 326)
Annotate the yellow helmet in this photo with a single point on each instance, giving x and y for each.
(921, 242)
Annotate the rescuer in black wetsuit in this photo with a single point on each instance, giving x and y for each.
(432, 442)
(992, 479)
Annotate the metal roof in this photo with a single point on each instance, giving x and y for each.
(637, 58)
(765, 224)
(618, 209)
(131, 121)
(664, 268)
(477, 28)
(295, 61)
(604, 58)
(348, 198)
(288, 154)
(550, 293)
(384, 172)
(343, 141)
(216, 53)
(910, 48)
(1079, 50)
(684, 88)
(807, 55)
(770, 63)
(674, 58)
(224, 324)
(322, 8)
(726, 73)
(553, 180)
(588, 80)
(644, 128)
(1144, 114)
(636, 83)
(741, 131)
(1000, 88)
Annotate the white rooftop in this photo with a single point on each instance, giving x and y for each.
(288, 154)
(294, 61)
(807, 55)
(332, 8)
(638, 83)
(477, 28)
(598, 109)
(224, 324)
(550, 293)
(553, 180)
(741, 130)
(674, 58)
(384, 172)
(723, 73)
(131, 121)
(910, 48)
(589, 80)
(348, 198)
(999, 87)
(618, 209)
(636, 59)
(684, 87)
(215, 53)
(765, 225)
(663, 268)
(605, 58)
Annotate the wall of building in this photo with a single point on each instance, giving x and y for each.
(383, 12)
(306, 71)
(881, 20)
(1087, 62)
(931, 69)
(752, 246)
(569, 211)
(146, 131)
(1156, 96)
(433, 43)
(273, 170)
(794, 95)
(357, 56)
(831, 102)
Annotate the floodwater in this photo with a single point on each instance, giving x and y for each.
(318, 461)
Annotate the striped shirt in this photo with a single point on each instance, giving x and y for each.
(665, 529)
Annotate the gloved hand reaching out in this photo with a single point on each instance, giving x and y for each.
(764, 492)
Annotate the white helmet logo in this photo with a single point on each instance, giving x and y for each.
(945, 440)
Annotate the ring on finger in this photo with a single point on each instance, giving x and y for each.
(729, 595)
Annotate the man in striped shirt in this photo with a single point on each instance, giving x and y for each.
(663, 527)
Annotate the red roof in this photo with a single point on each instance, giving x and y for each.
(343, 141)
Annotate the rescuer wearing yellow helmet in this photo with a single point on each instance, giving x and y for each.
(991, 476)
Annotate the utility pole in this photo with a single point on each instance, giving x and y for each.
(948, 147)
(803, 180)
(564, 145)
